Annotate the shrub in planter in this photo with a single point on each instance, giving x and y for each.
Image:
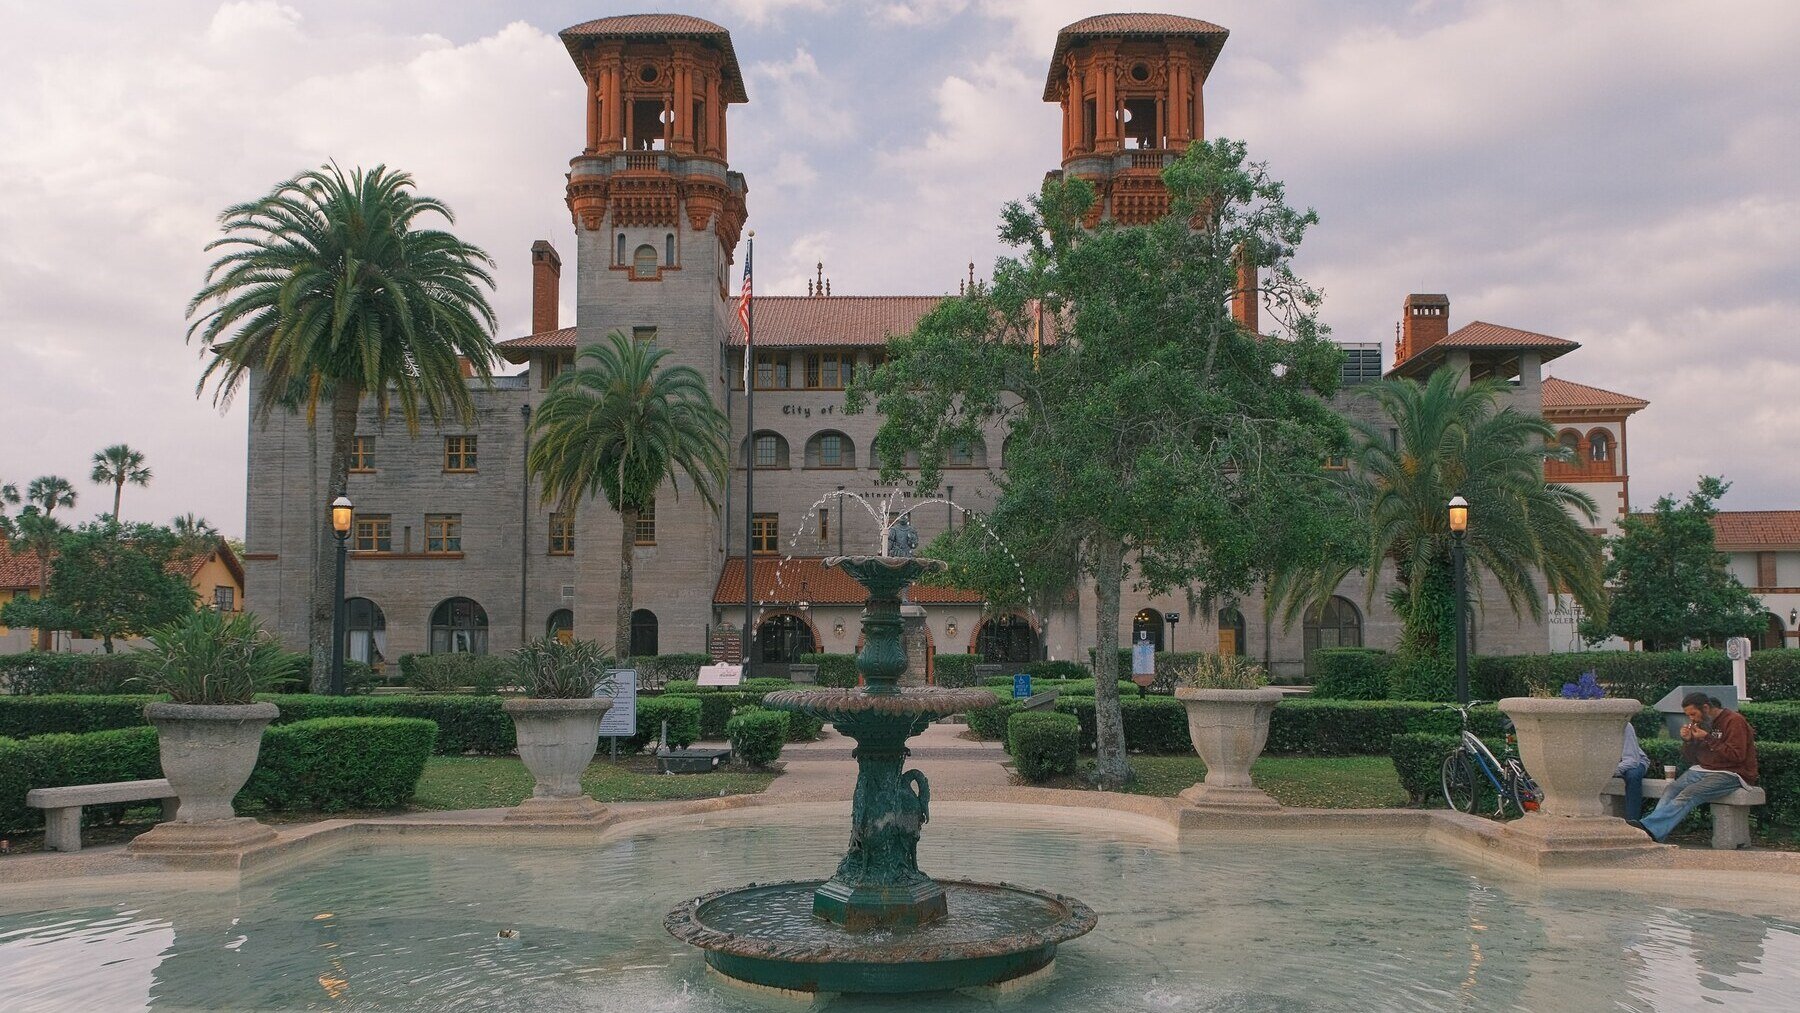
(838, 671)
(558, 723)
(1043, 745)
(757, 735)
(333, 764)
(1351, 673)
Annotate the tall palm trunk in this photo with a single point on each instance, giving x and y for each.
(1111, 768)
(118, 494)
(345, 399)
(628, 518)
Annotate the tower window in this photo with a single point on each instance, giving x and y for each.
(643, 262)
(647, 73)
(619, 258)
(669, 250)
(647, 124)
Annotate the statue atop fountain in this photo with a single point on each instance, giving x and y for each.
(902, 539)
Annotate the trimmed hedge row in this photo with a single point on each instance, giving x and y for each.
(658, 670)
(681, 712)
(1778, 774)
(36, 673)
(1002, 684)
(1351, 673)
(22, 717)
(838, 671)
(483, 674)
(1772, 675)
(1774, 722)
(1043, 745)
(718, 704)
(954, 671)
(332, 764)
(1153, 724)
(990, 722)
(756, 735)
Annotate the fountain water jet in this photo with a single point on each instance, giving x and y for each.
(879, 924)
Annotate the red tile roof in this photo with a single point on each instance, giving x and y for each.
(18, 570)
(1210, 36)
(807, 579)
(1765, 530)
(520, 349)
(787, 321)
(659, 26)
(1560, 393)
(1478, 335)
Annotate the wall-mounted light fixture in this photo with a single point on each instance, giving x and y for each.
(838, 629)
(950, 628)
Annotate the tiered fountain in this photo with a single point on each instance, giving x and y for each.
(879, 924)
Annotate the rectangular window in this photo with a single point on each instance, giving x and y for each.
(224, 598)
(765, 533)
(443, 533)
(562, 535)
(831, 451)
(643, 334)
(1337, 462)
(960, 456)
(646, 526)
(772, 371)
(1361, 365)
(459, 453)
(824, 525)
(828, 370)
(374, 533)
(362, 454)
(553, 366)
(771, 451)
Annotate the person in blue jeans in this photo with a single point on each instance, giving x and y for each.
(1722, 748)
(1633, 765)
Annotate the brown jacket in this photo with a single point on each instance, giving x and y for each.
(1730, 746)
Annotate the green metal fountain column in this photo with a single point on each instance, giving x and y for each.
(878, 884)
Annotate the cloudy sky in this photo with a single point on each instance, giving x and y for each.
(1621, 175)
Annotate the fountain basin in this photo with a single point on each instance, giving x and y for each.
(768, 935)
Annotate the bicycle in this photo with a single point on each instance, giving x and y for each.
(1506, 775)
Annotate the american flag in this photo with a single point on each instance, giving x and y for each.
(744, 310)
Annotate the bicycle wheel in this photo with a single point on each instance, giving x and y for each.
(1458, 781)
(1521, 790)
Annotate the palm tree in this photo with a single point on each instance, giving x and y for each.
(619, 425)
(194, 537)
(1456, 439)
(38, 532)
(9, 496)
(330, 287)
(117, 465)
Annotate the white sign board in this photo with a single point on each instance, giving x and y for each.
(621, 718)
(721, 675)
(1738, 650)
(1143, 657)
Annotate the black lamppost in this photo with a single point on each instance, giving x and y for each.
(1171, 618)
(341, 512)
(1459, 528)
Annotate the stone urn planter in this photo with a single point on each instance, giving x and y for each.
(1570, 748)
(1229, 728)
(557, 741)
(207, 752)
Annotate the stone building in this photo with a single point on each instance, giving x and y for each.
(453, 550)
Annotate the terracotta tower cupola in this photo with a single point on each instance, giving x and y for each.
(1130, 90)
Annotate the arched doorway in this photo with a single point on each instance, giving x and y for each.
(561, 626)
(459, 626)
(1148, 621)
(1231, 631)
(1336, 623)
(643, 633)
(782, 638)
(1006, 640)
(1774, 634)
(365, 631)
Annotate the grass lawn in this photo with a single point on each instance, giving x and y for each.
(487, 782)
(1339, 782)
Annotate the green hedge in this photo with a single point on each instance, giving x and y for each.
(1419, 761)
(656, 671)
(1002, 684)
(719, 703)
(688, 687)
(1043, 745)
(836, 671)
(1153, 724)
(1644, 675)
(756, 735)
(1351, 673)
(682, 713)
(990, 722)
(21, 717)
(955, 670)
(466, 724)
(1059, 670)
(35, 673)
(333, 764)
(1774, 722)
(51, 761)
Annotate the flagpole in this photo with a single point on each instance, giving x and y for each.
(747, 309)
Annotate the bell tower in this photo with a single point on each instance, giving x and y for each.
(657, 214)
(1130, 90)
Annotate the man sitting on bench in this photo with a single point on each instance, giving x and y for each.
(1722, 750)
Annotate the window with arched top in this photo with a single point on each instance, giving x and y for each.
(643, 262)
(767, 450)
(459, 626)
(669, 250)
(967, 455)
(783, 638)
(365, 631)
(619, 257)
(830, 449)
(1148, 625)
(1570, 442)
(1600, 446)
(561, 626)
(643, 633)
(1008, 639)
(1336, 623)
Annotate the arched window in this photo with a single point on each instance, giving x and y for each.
(768, 450)
(1600, 446)
(830, 449)
(1231, 631)
(669, 250)
(365, 631)
(643, 262)
(459, 626)
(1570, 442)
(1774, 634)
(782, 638)
(1336, 623)
(643, 634)
(967, 455)
(1148, 621)
(561, 626)
(1006, 640)
(619, 257)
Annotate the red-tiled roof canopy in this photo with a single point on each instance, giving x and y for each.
(1479, 335)
(1765, 530)
(659, 26)
(1560, 393)
(18, 570)
(1101, 26)
(520, 349)
(808, 579)
(789, 321)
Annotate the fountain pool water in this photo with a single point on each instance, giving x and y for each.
(1248, 924)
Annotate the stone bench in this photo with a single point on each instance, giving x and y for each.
(62, 806)
(1731, 814)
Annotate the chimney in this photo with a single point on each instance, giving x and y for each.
(1245, 300)
(546, 286)
(1424, 322)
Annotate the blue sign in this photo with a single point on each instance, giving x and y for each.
(1021, 685)
(1143, 657)
(621, 718)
